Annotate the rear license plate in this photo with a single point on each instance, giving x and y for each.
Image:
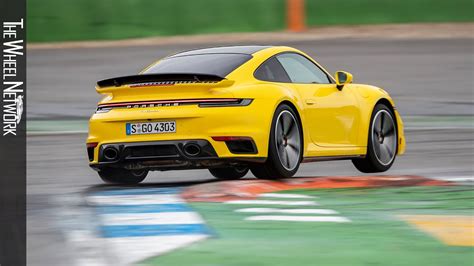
(151, 128)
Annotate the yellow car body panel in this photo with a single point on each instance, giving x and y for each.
(335, 122)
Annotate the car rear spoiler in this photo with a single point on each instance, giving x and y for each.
(159, 79)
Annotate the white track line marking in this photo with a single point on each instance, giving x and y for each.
(458, 178)
(134, 199)
(272, 202)
(135, 249)
(91, 248)
(291, 211)
(336, 219)
(285, 196)
(151, 218)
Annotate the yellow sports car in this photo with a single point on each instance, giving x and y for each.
(234, 109)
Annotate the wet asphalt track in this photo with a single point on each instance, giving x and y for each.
(425, 77)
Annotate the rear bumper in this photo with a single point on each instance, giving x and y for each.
(192, 123)
(163, 155)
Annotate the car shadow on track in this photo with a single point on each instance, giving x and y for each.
(166, 184)
(182, 184)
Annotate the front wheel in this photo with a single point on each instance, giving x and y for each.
(122, 176)
(285, 149)
(382, 143)
(229, 173)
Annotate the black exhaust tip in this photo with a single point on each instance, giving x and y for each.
(192, 149)
(111, 154)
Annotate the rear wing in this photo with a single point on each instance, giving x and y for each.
(157, 80)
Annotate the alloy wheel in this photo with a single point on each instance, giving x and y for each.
(384, 137)
(287, 139)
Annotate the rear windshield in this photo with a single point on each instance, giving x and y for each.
(211, 64)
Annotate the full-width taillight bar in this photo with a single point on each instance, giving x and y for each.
(213, 102)
(233, 102)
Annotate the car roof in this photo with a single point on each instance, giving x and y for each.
(247, 49)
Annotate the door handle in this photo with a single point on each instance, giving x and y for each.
(310, 101)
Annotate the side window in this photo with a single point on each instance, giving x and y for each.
(271, 70)
(301, 70)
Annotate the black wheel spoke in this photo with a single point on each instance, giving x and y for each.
(282, 127)
(287, 158)
(382, 116)
(387, 128)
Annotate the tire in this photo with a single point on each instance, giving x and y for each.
(285, 149)
(122, 176)
(382, 144)
(229, 173)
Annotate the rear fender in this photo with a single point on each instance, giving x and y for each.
(272, 95)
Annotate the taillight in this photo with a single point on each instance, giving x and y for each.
(90, 150)
(101, 110)
(92, 144)
(229, 103)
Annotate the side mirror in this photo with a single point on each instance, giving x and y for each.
(343, 78)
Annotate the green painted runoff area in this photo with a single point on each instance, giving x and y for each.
(375, 236)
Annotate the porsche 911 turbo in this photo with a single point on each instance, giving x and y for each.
(233, 109)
